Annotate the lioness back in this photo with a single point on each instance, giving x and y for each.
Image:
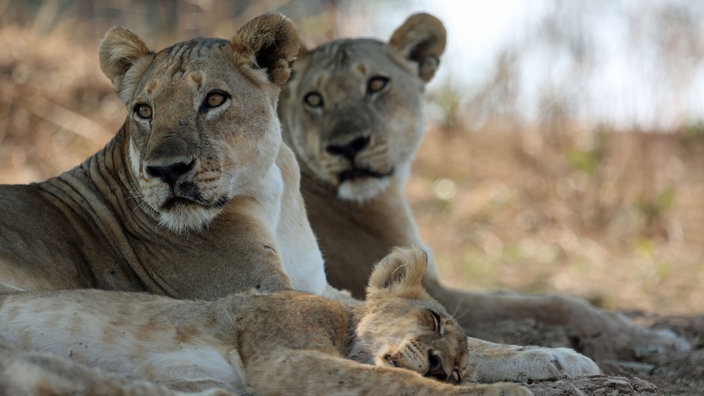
(196, 196)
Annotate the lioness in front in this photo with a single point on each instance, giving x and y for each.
(288, 341)
(196, 196)
(353, 115)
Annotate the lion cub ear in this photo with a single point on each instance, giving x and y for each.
(421, 39)
(123, 58)
(272, 42)
(400, 273)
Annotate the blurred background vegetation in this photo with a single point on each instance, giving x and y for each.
(565, 146)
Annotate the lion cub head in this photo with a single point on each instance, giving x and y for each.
(352, 110)
(202, 125)
(400, 325)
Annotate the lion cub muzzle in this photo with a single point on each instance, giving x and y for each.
(436, 368)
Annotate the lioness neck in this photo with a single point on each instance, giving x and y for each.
(354, 236)
(101, 192)
(77, 239)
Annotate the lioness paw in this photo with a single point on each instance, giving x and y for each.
(499, 362)
(540, 363)
(553, 363)
(656, 343)
(634, 343)
(618, 338)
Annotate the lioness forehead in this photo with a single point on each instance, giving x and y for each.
(185, 56)
(342, 54)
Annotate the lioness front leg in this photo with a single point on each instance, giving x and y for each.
(311, 372)
(597, 333)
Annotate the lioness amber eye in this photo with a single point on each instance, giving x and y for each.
(143, 111)
(313, 99)
(376, 84)
(214, 99)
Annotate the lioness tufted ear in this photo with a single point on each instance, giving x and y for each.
(120, 51)
(272, 42)
(421, 39)
(399, 273)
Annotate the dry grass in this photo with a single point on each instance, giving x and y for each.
(56, 108)
(617, 217)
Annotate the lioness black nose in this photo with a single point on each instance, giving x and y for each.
(349, 149)
(169, 173)
(435, 368)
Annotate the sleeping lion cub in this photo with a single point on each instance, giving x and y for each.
(400, 340)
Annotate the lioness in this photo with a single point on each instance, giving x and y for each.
(263, 344)
(352, 112)
(195, 196)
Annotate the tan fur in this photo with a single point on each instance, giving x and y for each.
(43, 374)
(358, 220)
(188, 200)
(400, 341)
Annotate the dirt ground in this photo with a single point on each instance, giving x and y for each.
(673, 374)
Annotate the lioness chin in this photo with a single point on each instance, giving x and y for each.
(352, 112)
(400, 341)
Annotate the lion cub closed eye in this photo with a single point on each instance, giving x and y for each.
(399, 340)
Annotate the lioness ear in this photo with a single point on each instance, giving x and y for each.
(119, 52)
(421, 39)
(272, 42)
(400, 272)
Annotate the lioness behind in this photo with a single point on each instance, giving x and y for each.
(353, 115)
